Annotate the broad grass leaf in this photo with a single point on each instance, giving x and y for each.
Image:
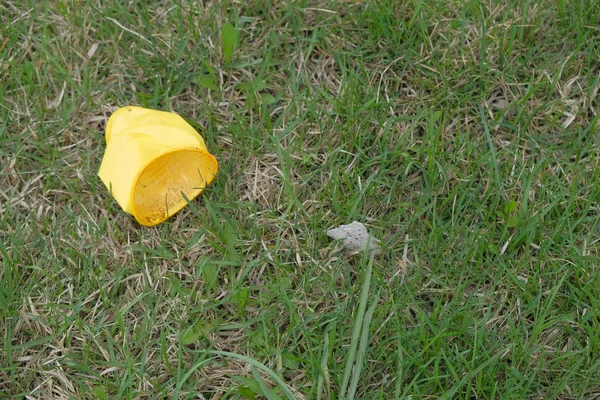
(228, 41)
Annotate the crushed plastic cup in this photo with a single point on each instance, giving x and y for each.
(154, 163)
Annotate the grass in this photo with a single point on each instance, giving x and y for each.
(463, 134)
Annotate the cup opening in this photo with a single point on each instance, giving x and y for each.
(157, 194)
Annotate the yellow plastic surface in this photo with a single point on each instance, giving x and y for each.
(151, 159)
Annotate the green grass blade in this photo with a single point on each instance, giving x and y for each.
(358, 321)
(267, 391)
(362, 349)
(493, 155)
(255, 364)
(228, 41)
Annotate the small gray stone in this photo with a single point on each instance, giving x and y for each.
(355, 238)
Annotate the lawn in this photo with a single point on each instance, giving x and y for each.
(463, 134)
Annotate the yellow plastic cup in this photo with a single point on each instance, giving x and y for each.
(152, 159)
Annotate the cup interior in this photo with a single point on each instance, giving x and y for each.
(159, 190)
